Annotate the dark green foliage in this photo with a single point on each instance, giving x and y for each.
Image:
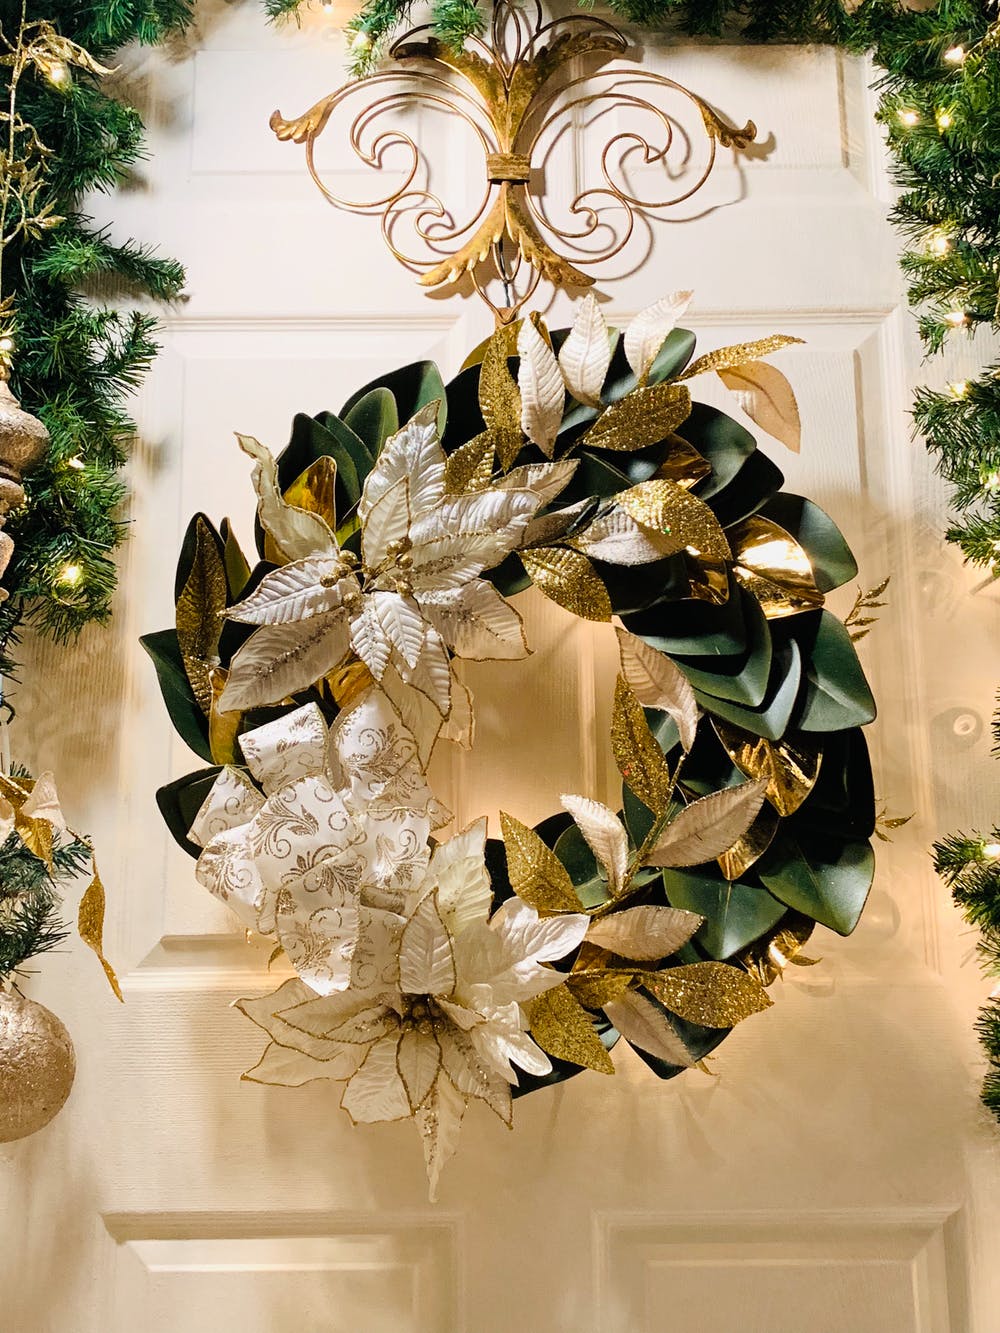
(31, 899)
(77, 361)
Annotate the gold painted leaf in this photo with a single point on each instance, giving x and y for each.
(562, 1028)
(500, 401)
(714, 995)
(199, 613)
(642, 417)
(536, 873)
(725, 358)
(667, 507)
(791, 765)
(767, 398)
(90, 924)
(569, 579)
(640, 760)
(470, 467)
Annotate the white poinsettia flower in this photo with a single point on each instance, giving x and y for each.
(452, 1028)
(417, 596)
(326, 858)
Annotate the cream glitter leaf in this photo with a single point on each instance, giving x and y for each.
(585, 356)
(618, 539)
(605, 836)
(296, 532)
(278, 660)
(376, 1092)
(644, 933)
(707, 828)
(658, 683)
(418, 1059)
(537, 875)
(402, 624)
(642, 1024)
(543, 393)
(569, 579)
(767, 398)
(561, 1027)
(412, 453)
(647, 333)
(426, 962)
(440, 1122)
(296, 591)
(643, 417)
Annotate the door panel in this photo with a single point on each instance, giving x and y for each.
(817, 1179)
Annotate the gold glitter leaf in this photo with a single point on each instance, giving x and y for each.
(724, 358)
(666, 507)
(536, 873)
(561, 1027)
(500, 400)
(767, 398)
(568, 578)
(470, 467)
(640, 760)
(642, 417)
(198, 612)
(713, 995)
(595, 990)
(791, 765)
(90, 924)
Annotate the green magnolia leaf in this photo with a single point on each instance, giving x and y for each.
(824, 878)
(412, 387)
(735, 914)
(832, 562)
(771, 718)
(180, 801)
(836, 693)
(743, 678)
(189, 721)
(373, 419)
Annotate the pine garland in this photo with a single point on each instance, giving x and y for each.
(76, 362)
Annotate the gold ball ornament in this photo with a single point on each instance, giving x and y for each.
(37, 1066)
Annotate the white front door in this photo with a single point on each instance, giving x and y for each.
(816, 1182)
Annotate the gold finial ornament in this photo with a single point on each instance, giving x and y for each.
(516, 91)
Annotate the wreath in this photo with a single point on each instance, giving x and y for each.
(431, 971)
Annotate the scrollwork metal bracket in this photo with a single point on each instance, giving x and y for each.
(511, 90)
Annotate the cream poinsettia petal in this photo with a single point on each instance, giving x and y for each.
(296, 591)
(278, 660)
(376, 1092)
(388, 521)
(296, 532)
(413, 453)
(426, 961)
(476, 622)
(543, 393)
(402, 624)
(605, 835)
(418, 1059)
(440, 1122)
(458, 870)
(585, 356)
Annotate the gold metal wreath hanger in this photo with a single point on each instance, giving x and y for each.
(513, 90)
